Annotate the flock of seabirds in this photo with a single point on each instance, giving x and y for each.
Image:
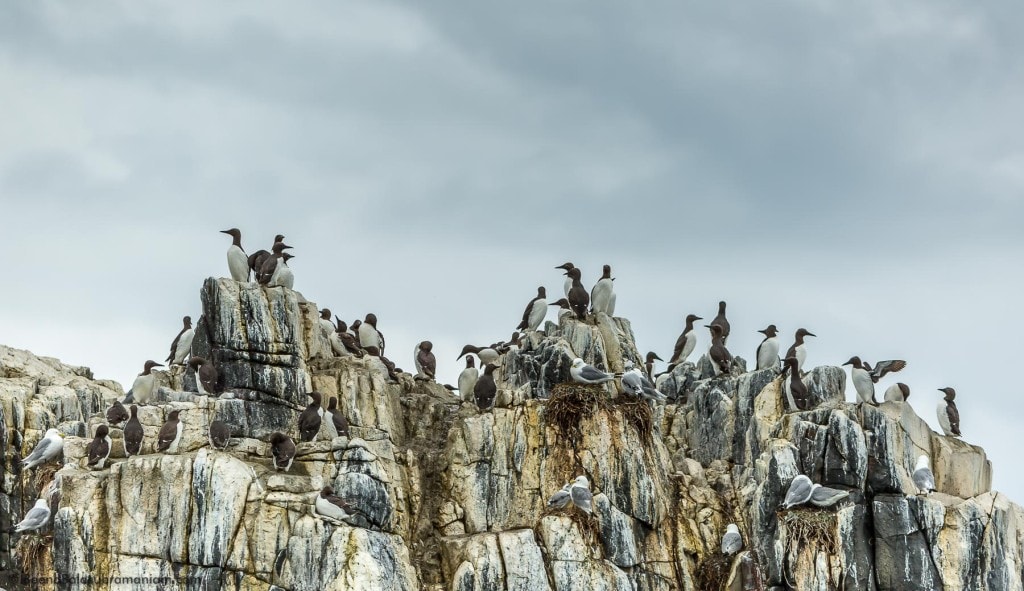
(270, 269)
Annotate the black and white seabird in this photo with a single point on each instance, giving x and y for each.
(37, 517)
(170, 434)
(862, 381)
(796, 391)
(206, 375)
(568, 280)
(578, 297)
(117, 413)
(722, 321)
(563, 307)
(426, 363)
(485, 388)
(145, 384)
(686, 342)
(486, 354)
(923, 478)
(348, 340)
(270, 263)
(602, 293)
(635, 382)
(310, 419)
(283, 276)
(898, 392)
(259, 257)
(581, 495)
(220, 435)
(535, 311)
(327, 327)
(283, 450)
(468, 378)
(181, 346)
(649, 360)
(732, 541)
(799, 492)
(48, 448)
(797, 349)
(369, 336)
(98, 449)
(721, 358)
(561, 499)
(133, 434)
(334, 507)
(337, 420)
(588, 374)
(768, 350)
(238, 261)
(948, 415)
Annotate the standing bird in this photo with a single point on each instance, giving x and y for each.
(206, 375)
(98, 449)
(796, 391)
(862, 382)
(268, 269)
(632, 380)
(535, 311)
(220, 435)
(348, 340)
(182, 344)
(426, 363)
(145, 384)
(948, 415)
(563, 308)
(486, 354)
(588, 374)
(768, 350)
(485, 388)
(117, 413)
(602, 293)
(799, 492)
(48, 448)
(282, 448)
(238, 262)
(898, 392)
(568, 280)
(798, 350)
(722, 321)
(37, 517)
(170, 434)
(578, 297)
(924, 480)
(732, 541)
(649, 364)
(133, 434)
(686, 342)
(721, 358)
(257, 258)
(327, 327)
(581, 495)
(284, 277)
(561, 499)
(309, 420)
(468, 378)
(369, 336)
(336, 419)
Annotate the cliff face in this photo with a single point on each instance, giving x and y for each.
(456, 499)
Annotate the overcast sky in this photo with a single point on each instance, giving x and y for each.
(853, 168)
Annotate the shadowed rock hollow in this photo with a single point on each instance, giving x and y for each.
(456, 499)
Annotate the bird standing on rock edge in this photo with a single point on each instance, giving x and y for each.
(282, 448)
(723, 322)
(48, 448)
(144, 384)
(862, 382)
(133, 434)
(796, 391)
(721, 358)
(170, 434)
(98, 449)
(426, 363)
(768, 350)
(686, 342)
(578, 297)
(181, 346)
(238, 262)
(309, 419)
(948, 414)
(797, 349)
(485, 389)
(602, 293)
(568, 280)
(468, 378)
(535, 311)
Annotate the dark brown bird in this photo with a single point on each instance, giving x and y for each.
(721, 358)
(348, 340)
(283, 449)
(182, 343)
(486, 389)
(271, 262)
(220, 435)
(426, 363)
(170, 434)
(339, 420)
(257, 258)
(206, 375)
(686, 342)
(535, 311)
(949, 415)
(133, 434)
(578, 297)
(117, 413)
(649, 364)
(795, 388)
(99, 448)
(309, 420)
(722, 321)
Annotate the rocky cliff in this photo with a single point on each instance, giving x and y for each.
(455, 498)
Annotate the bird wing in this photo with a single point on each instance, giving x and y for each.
(924, 479)
(526, 316)
(589, 372)
(35, 518)
(888, 366)
(559, 499)
(174, 346)
(799, 491)
(97, 450)
(167, 434)
(954, 417)
(208, 376)
(581, 497)
(631, 381)
(39, 451)
(427, 362)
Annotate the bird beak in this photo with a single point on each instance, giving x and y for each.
(225, 231)
(159, 365)
(658, 358)
(811, 334)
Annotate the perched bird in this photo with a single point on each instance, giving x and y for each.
(238, 262)
(37, 517)
(145, 384)
(133, 434)
(796, 391)
(649, 360)
(560, 499)
(170, 434)
(48, 448)
(220, 435)
(468, 378)
(588, 374)
(768, 350)
(309, 419)
(862, 382)
(283, 449)
(283, 276)
(721, 358)
(797, 349)
(486, 354)
(348, 340)
(722, 321)
(330, 505)
(898, 392)
(268, 267)
(98, 449)
(799, 492)
(580, 493)
(206, 375)
(578, 297)
(924, 480)
(426, 363)
(948, 415)
(632, 380)
(369, 336)
(822, 496)
(686, 342)
(884, 367)
(563, 308)
(327, 327)
(568, 280)
(182, 344)
(485, 388)
(535, 311)
(602, 292)
(337, 420)
(732, 541)
(117, 413)
(257, 258)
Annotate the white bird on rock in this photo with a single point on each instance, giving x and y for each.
(560, 499)
(588, 374)
(48, 448)
(732, 541)
(37, 517)
(924, 480)
(468, 378)
(580, 493)
(602, 293)
(799, 492)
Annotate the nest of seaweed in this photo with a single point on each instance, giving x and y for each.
(43, 475)
(713, 572)
(812, 528)
(637, 412)
(32, 555)
(569, 403)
